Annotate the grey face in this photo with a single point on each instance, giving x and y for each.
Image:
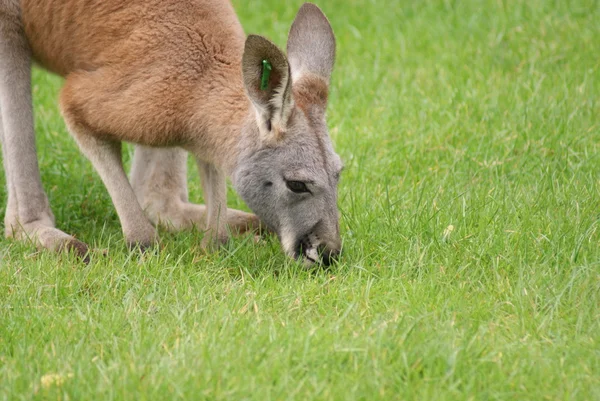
(292, 187)
(287, 172)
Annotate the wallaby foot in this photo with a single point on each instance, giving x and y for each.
(44, 235)
(159, 179)
(214, 239)
(180, 216)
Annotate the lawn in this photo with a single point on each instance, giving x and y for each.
(470, 209)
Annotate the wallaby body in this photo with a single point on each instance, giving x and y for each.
(168, 76)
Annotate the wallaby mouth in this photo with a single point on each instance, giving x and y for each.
(312, 253)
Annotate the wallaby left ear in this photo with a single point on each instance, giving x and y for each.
(268, 83)
(311, 43)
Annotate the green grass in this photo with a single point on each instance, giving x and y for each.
(482, 115)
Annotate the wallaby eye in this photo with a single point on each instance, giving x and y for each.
(297, 186)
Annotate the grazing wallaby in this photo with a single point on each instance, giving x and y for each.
(171, 77)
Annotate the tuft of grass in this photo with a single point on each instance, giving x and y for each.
(470, 216)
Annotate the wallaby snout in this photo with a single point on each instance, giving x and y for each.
(328, 255)
(322, 245)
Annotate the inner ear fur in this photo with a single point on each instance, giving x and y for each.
(273, 104)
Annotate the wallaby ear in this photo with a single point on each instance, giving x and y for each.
(269, 91)
(311, 44)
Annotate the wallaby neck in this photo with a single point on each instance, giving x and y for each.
(224, 121)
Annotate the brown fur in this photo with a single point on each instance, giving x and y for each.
(127, 78)
(309, 92)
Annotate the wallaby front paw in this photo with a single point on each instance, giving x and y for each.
(142, 239)
(213, 241)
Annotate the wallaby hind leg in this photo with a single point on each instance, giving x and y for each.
(159, 180)
(28, 215)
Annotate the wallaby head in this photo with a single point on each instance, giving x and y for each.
(287, 170)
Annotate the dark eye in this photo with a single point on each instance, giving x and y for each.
(297, 186)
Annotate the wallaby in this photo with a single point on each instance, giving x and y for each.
(174, 77)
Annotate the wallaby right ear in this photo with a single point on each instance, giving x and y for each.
(311, 43)
(268, 84)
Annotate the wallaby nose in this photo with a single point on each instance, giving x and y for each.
(328, 255)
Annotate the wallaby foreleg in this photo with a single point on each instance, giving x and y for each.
(105, 156)
(215, 197)
(104, 152)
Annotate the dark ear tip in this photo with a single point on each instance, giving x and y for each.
(255, 39)
(259, 42)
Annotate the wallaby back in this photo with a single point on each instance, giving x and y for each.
(154, 72)
(70, 35)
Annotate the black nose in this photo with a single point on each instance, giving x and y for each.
(328, 256)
